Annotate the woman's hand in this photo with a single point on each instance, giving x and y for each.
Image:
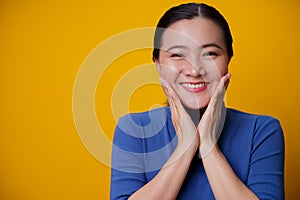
(185, 129)
(206, 134)
(212, 122)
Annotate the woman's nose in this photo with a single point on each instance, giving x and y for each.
(194, 69)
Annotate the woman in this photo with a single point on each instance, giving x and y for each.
(195, 148)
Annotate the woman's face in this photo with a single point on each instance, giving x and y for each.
(192, 59)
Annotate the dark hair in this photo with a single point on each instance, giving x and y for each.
(190, 11)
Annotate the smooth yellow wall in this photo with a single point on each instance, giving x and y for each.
(44, 43)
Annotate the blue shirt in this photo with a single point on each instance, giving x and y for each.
(252, 144)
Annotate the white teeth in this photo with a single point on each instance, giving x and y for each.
(193, 86)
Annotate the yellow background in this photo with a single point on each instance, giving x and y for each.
(43, 44)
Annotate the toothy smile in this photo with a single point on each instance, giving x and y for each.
(194, 85)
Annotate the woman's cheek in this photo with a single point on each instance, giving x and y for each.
(222, 66)
(169, 76)
(217, 71)
(169, 71)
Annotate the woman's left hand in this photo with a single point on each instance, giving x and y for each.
(212, 122)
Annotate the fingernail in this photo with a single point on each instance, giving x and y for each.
(162, 81)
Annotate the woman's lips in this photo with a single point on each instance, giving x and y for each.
(194, 86)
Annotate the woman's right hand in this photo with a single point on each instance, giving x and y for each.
(185, 129)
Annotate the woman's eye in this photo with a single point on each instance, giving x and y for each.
(177, 55)
(209, 54)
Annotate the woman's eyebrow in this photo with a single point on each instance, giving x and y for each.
(176, 47)
(201, 46)
(211, 45)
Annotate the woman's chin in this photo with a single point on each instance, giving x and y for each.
(195, 104)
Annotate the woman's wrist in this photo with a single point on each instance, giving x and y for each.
(187, 147)
(208, 151)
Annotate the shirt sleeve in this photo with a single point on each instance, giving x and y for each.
(266, 172)
(127, 170)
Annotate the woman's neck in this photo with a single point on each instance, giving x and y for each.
(195, 114)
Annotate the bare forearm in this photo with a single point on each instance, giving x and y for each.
(167, 183)
(224, 182)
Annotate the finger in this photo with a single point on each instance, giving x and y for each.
(167, 89)
(170, 100)
(167, 85)
(217, 98)
(221, 88)
(173, 107)
(226, 83)
(171, 94)
(164, 82)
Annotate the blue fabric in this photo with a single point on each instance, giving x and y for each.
(252, 144)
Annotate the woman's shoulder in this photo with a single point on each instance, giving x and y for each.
(260, 124)
(247, 116)
(144, 124)
(145, 117)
